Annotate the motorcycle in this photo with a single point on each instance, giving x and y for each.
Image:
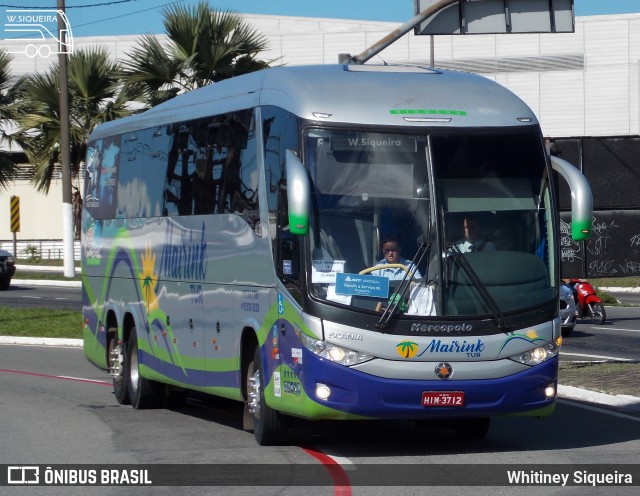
(588, 303)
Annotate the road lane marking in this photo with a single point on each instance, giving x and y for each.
(598, 357)
(579, 404)
(617, 329)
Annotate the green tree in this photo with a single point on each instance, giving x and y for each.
(95, 96)
(7, 168)
(203, 46)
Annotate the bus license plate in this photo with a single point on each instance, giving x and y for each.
(443, 398)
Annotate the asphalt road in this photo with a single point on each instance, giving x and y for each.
(617, 339)
(58, 409)
(21, 295)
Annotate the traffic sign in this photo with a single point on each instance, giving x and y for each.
(15, 214)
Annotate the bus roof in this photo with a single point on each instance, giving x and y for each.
(358, 94)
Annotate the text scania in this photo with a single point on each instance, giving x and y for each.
(184, 254)
(455, 346)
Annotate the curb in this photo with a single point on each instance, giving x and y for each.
(621, 290)
(45, 282)
(25, 340)
(619, 400)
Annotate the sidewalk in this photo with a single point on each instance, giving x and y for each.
(43, 282)
(587, 391)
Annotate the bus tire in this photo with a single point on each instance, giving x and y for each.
(120, 390)
(473, 428)
(267, 425)
(143, 393)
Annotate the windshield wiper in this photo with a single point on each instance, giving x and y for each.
(398, 296)
(477, 283)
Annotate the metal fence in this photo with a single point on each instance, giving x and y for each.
(45, 249)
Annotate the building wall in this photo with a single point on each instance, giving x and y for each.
(579, 84)
(40, 214)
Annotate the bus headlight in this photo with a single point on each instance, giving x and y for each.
(333, 352)
(537, 355)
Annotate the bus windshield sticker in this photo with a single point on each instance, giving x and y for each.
(324, 271)
(362, 285)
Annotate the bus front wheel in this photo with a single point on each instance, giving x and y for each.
(267, 423)
(143, 393)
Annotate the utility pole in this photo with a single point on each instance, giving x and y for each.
(65, 153)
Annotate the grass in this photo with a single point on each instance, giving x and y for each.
(605, 377)
(41, 322)
(47, 276)
(616, 282)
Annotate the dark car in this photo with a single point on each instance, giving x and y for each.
(7, 269)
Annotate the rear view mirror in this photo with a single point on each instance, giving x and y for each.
(581, 198)
(298, 193)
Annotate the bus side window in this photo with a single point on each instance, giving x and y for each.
(180, 168)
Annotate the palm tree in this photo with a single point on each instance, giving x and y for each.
(203, 46)
(95, 96)
(7, 168)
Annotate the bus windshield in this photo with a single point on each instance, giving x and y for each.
(442, 224)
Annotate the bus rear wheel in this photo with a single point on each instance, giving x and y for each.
(142, 392)
(267, 423)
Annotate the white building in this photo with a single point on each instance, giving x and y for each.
(582, 84)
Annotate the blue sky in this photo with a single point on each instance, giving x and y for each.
(113, 17)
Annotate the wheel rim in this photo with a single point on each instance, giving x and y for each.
(253, 394)
(134, 374)
(116, 373)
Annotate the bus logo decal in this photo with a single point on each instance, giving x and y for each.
(444, 370)
(149, 279)
(455, 346)
(420, 327)
(407, 349)
(184, 254)
(530, 336)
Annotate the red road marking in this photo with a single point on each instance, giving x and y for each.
(61, 377)
(341, 482)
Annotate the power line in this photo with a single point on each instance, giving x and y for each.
(128, 14)
(67, 7)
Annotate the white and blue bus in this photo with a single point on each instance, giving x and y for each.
(231, 246)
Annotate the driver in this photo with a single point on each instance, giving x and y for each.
(391, 251)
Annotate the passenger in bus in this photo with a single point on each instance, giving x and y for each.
(472, 241)
(391, 251)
